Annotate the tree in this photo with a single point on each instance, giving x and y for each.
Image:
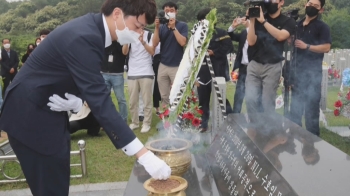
(338, 22)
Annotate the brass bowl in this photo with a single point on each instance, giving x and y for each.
(174, 151)
(178, 191)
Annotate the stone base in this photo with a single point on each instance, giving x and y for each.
(343, 131)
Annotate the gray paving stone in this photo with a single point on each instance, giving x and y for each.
(101, 189)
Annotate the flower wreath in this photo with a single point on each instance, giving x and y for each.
(343, 97)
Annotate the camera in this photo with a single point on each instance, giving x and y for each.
(254, 10)
(294, 13)
(162, 18)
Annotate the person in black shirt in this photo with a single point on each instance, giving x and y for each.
(30, 49)
(266, 37)
(113, 72)
(220, 45)
(312, 41)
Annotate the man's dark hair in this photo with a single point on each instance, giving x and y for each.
(44, 32)
(2, 41)
(203, 13)
(132, 8)
(322, 2)
(169, 4)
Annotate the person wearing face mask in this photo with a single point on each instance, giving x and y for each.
(266, 37)
(9, 63)
(61, 69)
(43, 34)
(173, 37)
(313, 39)
(37, 42)
(30, 49)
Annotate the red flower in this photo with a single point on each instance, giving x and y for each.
(330, 71)
(196, 122)
(348, 96)
(188, 115)
(184, 116)
(200, 111)
(194, 99)
(338, 104)
(336, 112)
(166, 112)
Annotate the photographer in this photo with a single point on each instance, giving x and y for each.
(172, 34)
(313, 40)
(266, 36)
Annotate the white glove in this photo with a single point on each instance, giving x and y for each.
(156, 167)
(72, 103)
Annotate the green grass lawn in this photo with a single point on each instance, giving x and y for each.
(106, 164)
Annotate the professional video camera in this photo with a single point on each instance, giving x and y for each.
(254, 10)
(162, 18)
(294, 13)
(288, 71)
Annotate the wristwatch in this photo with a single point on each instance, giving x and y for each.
(173, 29)
(264, 22)
(308, 47)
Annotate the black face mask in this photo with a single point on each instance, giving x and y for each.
(311, 11)
(271, 8)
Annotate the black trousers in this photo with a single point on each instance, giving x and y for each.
(90, 123)
(204, 94)
(306, 96)
(240, 89)
(6, 79)
(45, 174)
(156, 93)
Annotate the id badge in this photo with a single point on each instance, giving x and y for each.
(110, 58)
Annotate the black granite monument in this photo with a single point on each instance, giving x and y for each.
(272, 157)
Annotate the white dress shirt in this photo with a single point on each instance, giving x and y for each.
(133, 147)
(245, 60)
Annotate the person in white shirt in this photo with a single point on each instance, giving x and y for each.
(241, 61)
(140, 80)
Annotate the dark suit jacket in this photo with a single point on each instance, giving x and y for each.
(219, 60)
(240, 38)
(68, 60)
(220, 48)
(8, 62)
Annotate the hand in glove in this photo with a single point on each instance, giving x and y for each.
(156, 167)
(58, 104)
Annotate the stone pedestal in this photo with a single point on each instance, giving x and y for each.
(324, 87)
(217, 117)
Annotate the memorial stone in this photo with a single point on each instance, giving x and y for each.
(342, 64)
(328, 57)
(274, 156)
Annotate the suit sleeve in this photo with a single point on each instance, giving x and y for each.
(225, 46)
(234, 36)
(83, 59)
(16, 62)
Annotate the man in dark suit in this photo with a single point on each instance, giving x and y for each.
(220, 45)
(241, 61)
(9, 63)
(65, 66)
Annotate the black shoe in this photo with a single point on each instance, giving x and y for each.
(141, 118)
